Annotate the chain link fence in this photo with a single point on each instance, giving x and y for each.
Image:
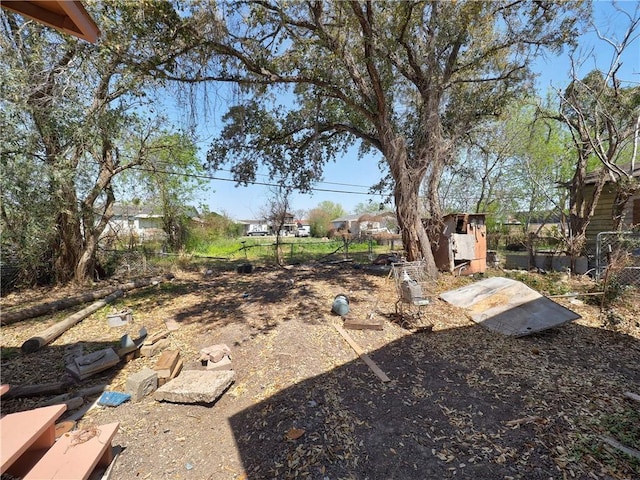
(617, 258)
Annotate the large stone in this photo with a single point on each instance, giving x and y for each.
(224, 364)
(195, 386)
(142, 383)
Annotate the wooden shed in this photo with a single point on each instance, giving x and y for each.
(602, 220)
(461, 244)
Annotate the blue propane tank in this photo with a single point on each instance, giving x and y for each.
(340, 305)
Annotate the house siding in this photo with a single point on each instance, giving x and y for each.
(602, 220)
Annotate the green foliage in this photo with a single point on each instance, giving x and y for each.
(371, 207)
(320, 217)
(215, 228)
(83, 114)
(513, 165)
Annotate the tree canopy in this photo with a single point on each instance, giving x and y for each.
(405, 79)
(79, 115)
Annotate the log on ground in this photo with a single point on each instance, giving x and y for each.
(54, 331)
(64, 303)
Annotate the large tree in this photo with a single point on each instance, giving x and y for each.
(602, 112)
(402, 78)
(82, 114)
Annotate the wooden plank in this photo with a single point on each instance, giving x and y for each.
(176, 370)
(632, 396)
(27, 431)
(75, 456)
(370, 324)
(365, 358)
(166, 363)
(632, 452)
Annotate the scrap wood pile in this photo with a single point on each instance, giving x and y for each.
(85, 360)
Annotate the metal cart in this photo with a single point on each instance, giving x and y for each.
(415, 292)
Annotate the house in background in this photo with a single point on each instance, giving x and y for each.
(252, 228)
(140, 223)
(262, 227)
(366, 224)
(602, 220)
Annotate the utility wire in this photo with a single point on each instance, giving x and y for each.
(324, 182)
(211, 177)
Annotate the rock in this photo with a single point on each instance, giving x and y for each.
(195, 386)
(142, 383)
(215, 353)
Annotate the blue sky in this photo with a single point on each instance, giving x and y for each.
(348, 174)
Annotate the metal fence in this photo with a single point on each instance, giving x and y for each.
(618, 257)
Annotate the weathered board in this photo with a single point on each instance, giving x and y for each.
(509, 307)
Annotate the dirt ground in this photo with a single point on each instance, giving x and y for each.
(461, 402)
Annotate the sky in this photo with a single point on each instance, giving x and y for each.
(348, 179)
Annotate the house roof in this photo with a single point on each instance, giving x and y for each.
(633, 170)
(64, 15)
(346, 218)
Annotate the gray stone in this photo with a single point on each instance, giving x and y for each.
(142, 383)
(195, 386)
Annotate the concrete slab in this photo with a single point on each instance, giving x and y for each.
(195, 386)
(509, 307)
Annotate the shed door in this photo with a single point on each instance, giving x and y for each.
(464, 246)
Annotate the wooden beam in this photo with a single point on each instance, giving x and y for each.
(75, 20)
(365, 358)
(50, 334)
(632, 452)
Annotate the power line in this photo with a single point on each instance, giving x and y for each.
(327, 183)
(211, 177)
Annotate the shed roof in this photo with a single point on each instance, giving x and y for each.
(632, 169)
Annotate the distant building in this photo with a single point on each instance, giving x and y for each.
(602, 220)
(366, 224)
(141, 222)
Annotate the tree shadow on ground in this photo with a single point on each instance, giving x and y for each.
(234, 298)
(461, 403)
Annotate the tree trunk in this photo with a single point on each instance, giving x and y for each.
(53, 332)
(69, 236)
(415, 240)
(50, 307)
(86, 264)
